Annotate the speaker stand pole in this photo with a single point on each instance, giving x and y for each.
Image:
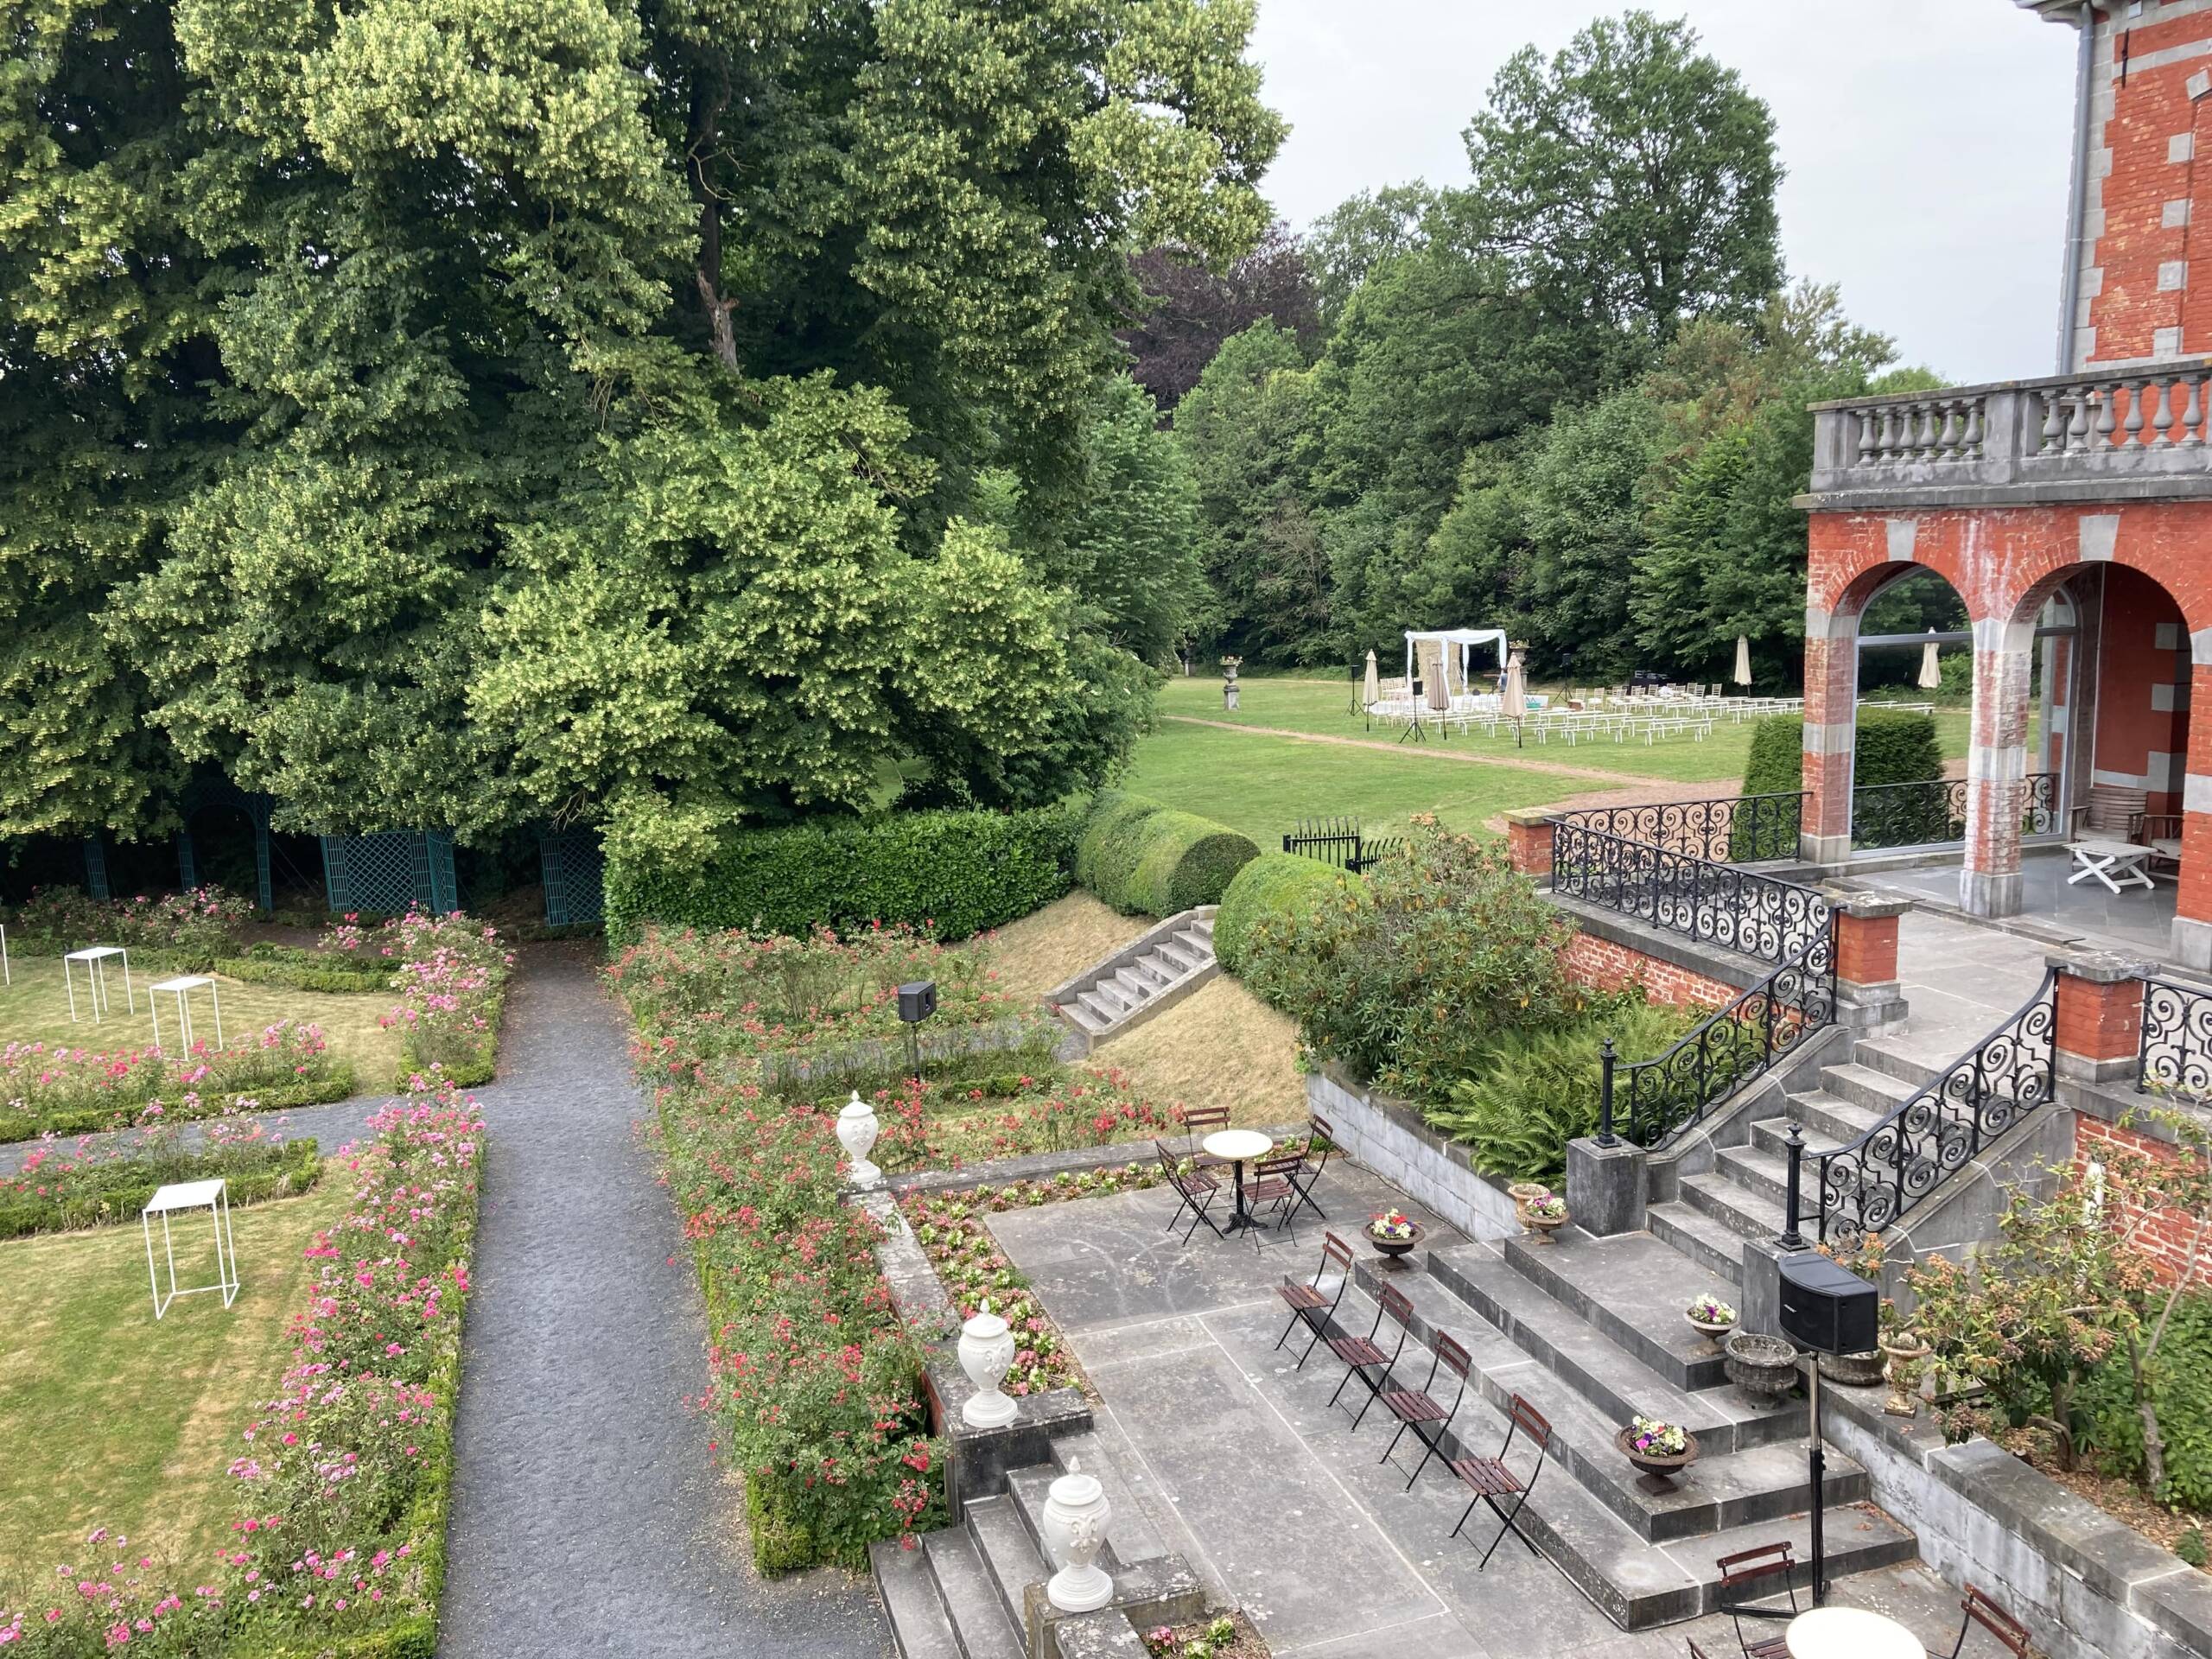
(1820, 1467)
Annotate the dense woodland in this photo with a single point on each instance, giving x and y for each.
(692, 413)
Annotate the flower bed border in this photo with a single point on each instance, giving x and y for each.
(302, 1161)
(339, 1085)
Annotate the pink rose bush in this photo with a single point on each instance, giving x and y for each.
(451, 975)
(51, 1086)
(342, 1470)
(195, 926)
(63, 1186)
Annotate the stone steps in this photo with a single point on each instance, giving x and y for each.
(1150, 974)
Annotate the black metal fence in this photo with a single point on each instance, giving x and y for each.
(1740, 829)
(1718, 903)
(1340, 842)
(2174, 1055)
(1930, 814)
(1871, 1183)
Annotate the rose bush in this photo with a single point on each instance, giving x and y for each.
(192, 927)
(63, 1186)
(50, 1088)
(451, 975)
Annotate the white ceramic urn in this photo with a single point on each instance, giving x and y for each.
(986, 1351)
(856, 1131)
(1074, 1525)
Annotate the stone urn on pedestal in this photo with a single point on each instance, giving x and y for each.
(856, 1132)
(986, 1353)
(1073, 1522)
(1229, 667)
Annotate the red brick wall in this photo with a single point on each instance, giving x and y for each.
(1604, 966)
(2166, 1238)
(2146, 647)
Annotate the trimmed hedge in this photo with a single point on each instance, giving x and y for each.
(308, 1091)
(959, 872)
(302, 971)
(1893, 746)
(1145, 859)
(1274, 883)
(110, 1194)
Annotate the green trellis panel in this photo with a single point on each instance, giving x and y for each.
(390, 870)
(257, 806)
(574, 868)
(96, 867)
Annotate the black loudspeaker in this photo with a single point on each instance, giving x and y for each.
(1828, 1309)
(917, 1000)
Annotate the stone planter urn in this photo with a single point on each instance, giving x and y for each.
(1658, 1471)
(986, 1353)
(1524, 1194)
(1390, 1250)
(1905, 1351)
(1764, 1368)
(1712, 1329)
(856, 1133)
(1541, 1226)
(1073, 1522)
(1861, 1371)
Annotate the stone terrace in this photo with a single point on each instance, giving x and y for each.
(1241, 1466)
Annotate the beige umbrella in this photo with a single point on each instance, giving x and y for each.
(1373, 694)
(1742, 660)
(1931, 677)
(1514, 702)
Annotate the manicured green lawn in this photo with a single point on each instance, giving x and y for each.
(36, 1008)
(111, 1418)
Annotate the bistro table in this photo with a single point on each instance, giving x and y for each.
(1849, 1633)
(1236, 1148)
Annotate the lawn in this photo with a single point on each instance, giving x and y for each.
(111, 1418)
(36, 1008)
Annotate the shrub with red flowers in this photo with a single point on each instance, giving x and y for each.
(925, 1125)
(188, 929)
(50, 1087)
(345, 1471)
(62, 1186)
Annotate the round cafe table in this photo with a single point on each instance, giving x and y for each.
(1235, 1147)
(1849, 1633)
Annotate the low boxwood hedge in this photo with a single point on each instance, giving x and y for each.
(109, 1193)
(307, 1091)
(292, 968)
(1274, 883)
(959, 872)
(1145, 859)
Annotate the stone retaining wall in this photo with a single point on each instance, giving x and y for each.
(1389, 1137)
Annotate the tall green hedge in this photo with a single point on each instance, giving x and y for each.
(1274, 883)
(1144, 859)
(1894, 746)
(963, 872)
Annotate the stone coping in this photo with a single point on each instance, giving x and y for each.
(1043, 1166)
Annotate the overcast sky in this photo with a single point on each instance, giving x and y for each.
(1925, 141)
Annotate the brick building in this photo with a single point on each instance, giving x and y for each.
(2073, 515)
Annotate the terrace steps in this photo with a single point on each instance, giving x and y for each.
(1152, 973)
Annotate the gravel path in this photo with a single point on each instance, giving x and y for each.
(588, 1516)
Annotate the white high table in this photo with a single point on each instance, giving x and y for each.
(95, 960)
(214, 1197)
(181, 988)
(1850, 1633)
(1236, 1148)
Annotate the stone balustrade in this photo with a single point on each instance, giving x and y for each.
(2131, 434)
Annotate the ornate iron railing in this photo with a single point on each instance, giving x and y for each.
(1871, 1183)
(1718, 903)
(2175, 1052)
(1929, 814)
(1741, 830)
(1665, 1096)
(1339, 842)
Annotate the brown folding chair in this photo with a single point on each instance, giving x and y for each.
(1196, 1190)
(1307, 1302)
(1201, 1121)
(2010, 1634)
(1750, 1570)
(1417, 1409)
(1696, 1652)
(1363, 1354)
(1319, 1134)
(1271, 1183)
(1492, 1481)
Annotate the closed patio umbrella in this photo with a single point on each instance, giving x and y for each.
(1373, 694)
(1931, 677)
(1513, 702)
(1742, 660)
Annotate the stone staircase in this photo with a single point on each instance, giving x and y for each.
(1147, 975)
(1743, 1196)
(977, 1590)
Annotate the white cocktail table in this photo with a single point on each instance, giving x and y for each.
(1235, 1147)
(1849, 1633)
(214, 1197)
(95, 960)
(181, 988)
(2115, 863)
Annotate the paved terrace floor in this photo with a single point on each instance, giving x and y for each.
(2054, 911)
(1244, 1465)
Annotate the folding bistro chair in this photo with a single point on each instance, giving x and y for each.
(1309, 1302)
(1201, 1121)
(1196, 1190)
(1492, 1481)
(1309, 1167)
(2010, 1634)
(1361, 1354)
(1753, 1567)
(1273, 1183)
(1417, 1409)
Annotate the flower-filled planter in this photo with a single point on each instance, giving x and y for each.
(1545, 1216)
(1659, 1451)
(1524, 1194)
(1392, 1233)
(1710, 1318)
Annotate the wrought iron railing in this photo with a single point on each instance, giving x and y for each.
(1655, 1100)
(1740, 910)
(1869, 1184)
(2174, 1054)
(1929, 814)
(1741, 829)
(1339, 842)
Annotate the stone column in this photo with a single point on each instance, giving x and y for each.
(1869, 997)
(1997, 768)
(2192, 936)
(1529, 843)
(2098, 1021)
(1831, 729)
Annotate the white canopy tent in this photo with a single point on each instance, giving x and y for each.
(1466, 639)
